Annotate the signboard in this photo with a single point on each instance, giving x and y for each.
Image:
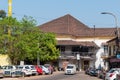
(78, 56)
(21, 62)
(115, 60)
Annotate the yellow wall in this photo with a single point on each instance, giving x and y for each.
(4, 60)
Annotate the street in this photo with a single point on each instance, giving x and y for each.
(57, 76)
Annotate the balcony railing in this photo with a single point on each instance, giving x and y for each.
(82, 54)
(104, 55)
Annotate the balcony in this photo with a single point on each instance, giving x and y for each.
(72, 55)
(104, 55)
(87, 55)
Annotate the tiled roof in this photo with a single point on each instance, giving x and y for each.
(71, 26)
(70, 42)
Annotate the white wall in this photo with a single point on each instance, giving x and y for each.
(4, 60)
(98, 41)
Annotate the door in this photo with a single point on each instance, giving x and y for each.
(86, 64)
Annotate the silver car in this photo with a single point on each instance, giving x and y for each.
(112, 74)
(25, 69)
(11, 71)
(45, 70)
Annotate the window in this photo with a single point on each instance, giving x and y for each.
(109, 50)
(75, 49)
(61, 48)
(105, 49)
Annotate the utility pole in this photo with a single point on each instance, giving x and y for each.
(9, 25)
(9, 8)
(9, 14)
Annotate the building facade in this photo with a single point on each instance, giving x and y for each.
(112, 60)
(78, 43)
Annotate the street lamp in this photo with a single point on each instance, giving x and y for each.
(117, 29)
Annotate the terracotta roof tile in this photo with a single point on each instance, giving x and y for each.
(70, 42)
(66, 24)
(71, 26)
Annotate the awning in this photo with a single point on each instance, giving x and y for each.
(114, 60)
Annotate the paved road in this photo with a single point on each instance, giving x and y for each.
(57, 76)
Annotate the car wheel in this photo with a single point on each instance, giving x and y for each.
(50, 72)
(23, 74)
(13, 75)
(43, 73)
(37, 74)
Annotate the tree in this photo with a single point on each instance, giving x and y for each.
(25, 41)
(2, 14)
(9, 26)
(34, 43)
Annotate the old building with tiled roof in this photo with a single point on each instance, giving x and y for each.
(73, 37)
(70, 26)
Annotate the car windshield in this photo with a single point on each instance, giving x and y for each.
(111, 71)
(70, 67)
(26, 67)
(1, 68)
(46, 66)
(19, 67)
(4, 67)
(10, 67)
(33, 67)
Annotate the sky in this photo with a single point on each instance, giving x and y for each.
(86, 11)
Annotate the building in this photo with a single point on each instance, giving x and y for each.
(112, 60)
(78, 43)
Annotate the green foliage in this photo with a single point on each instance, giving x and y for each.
(2, 14)
(25, 41)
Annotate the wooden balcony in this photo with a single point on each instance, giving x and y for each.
(104, 55)
(72, 55)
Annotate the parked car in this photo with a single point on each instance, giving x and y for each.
(45, 70)
(101, 74)
(33, 69)
(1, 73)
(25, 69)
(50, 68)
(39, 69)
(70, 69)
(87, 71)
(11, 71)
(93, 72)
(112, 74)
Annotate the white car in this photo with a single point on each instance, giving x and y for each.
(112, 74)
(70, 69)
(11, 70)
(25, 69)
(34, 71)
(45, 70)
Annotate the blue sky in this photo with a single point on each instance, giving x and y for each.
(86, 11)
